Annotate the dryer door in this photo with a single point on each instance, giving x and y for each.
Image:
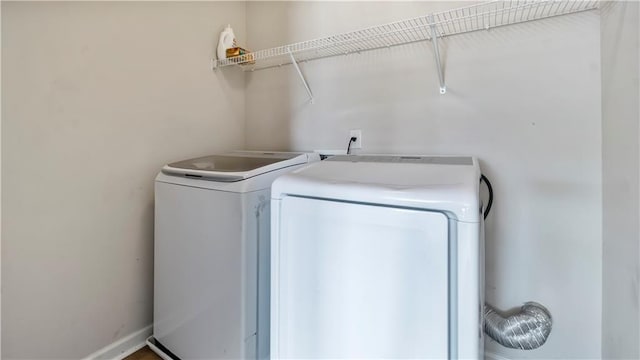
(358, 281)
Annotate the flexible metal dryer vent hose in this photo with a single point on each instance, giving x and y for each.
(526, 330)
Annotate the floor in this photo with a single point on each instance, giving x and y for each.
(143, 354)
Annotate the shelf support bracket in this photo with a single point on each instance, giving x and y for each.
(436, 52)
(304, 81)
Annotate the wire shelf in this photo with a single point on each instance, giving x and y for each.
(482, 16)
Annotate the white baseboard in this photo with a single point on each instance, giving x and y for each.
(124, 347)
(134, 342)
(493, 356)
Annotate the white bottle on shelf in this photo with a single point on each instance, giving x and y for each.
(227, 40)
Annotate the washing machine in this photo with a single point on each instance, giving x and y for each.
(211, 265)
(378, 257)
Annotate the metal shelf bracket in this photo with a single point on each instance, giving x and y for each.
(436, 52)
(304, 81)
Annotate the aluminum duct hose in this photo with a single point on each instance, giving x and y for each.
(526, 330)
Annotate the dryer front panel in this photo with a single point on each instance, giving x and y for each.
(353, 280)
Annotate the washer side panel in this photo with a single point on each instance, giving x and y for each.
(198, 272)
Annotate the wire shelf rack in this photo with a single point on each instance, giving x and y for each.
(482, 16)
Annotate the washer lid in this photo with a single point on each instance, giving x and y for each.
(449, 184)
(234, 166)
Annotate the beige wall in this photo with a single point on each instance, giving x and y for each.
(621, 180)
(525, 99)
(96, 97)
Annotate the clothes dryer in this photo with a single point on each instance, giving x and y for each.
(378, 257)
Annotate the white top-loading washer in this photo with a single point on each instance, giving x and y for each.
(211, 265)
(378, 257)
